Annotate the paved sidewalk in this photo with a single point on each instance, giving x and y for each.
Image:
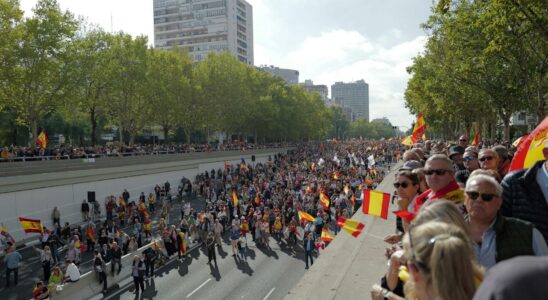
(350, 266)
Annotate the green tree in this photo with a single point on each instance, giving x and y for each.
(37, 84)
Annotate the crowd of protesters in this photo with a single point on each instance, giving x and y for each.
(467, 215)
(269, 196)
(65, 151)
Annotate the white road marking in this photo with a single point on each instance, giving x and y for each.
(195, 290)
(269, 293)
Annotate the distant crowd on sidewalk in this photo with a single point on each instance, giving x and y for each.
(16, 153)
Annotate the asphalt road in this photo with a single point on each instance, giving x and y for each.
(30, 270)
(267, 274)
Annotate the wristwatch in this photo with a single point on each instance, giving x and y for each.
(386, 293)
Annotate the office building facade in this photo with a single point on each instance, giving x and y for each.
(354, 95)
(288, 75)
(203, 26)
(321, 89)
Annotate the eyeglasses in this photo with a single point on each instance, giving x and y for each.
(468, 158)
(485, 197)
(404, 184)
(486, 158)
(463, 140)
(438, 172)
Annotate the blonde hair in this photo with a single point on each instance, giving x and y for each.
(441, 211)
(443, 254)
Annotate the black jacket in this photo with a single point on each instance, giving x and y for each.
(523, 199)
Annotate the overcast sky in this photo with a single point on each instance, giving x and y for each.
(325, 40)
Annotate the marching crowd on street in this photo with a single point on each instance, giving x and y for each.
(465, 214)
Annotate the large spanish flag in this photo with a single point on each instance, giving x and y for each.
(354, 228)
(42, 139)
(376, 203)
(234, 198)
(30, 225)
(305, 216)
(324, 200)
(326, 236)
(530, 149)
(409, 140)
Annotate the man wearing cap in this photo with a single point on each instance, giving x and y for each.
(455, 154)
(525, 194)
(411, 165)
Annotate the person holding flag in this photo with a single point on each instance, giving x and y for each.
(5, 237)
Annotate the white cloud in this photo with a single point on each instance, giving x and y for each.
(341, 55)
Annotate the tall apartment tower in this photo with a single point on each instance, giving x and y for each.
(354, 95)
(202, 26)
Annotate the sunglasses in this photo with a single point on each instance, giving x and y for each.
(484, 197)
(438, 172)
(468, 158)
(463, 140)
(486, 158)
(404, 184)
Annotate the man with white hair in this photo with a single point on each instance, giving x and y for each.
(495, 237)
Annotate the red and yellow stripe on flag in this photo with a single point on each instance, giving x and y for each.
(324, 200)
(326, 236)
(530, 149)
(30, 225)
(420, 126)
(235, 198)
(257, 199)
(304, 216)
(376, 203)
(354, 228)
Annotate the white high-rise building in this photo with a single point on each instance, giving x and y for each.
(202, 26)
(354, 95)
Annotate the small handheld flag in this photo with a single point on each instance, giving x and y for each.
(31, 225)
(352, 227)
(304, 216)
(376, 203)
(326, 236)
(324, 200)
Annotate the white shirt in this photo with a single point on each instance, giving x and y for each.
(72, 272)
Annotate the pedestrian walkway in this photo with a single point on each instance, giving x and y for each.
(350, 266)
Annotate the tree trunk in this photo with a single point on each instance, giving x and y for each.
(34, 131)
(166, 129)
(506, 122)
(93, 121)
(121, 130)
(187, 131)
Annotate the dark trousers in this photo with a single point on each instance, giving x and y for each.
(149, 265)
(46, 266)
(15, 275)
(308, 254)
(103, 279)
(211, 254)
(139, 282)
(114, 262)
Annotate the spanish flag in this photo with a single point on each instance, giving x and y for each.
(3, 229)
(336, 175)
(419, 127)
(304, 216)
(409, 140)
(530, 148)
(326, 236)
(30, 225)
(476, 140)
(376, 203)
(42, 139)
(235, 198)
(354, 228)
(324, 200)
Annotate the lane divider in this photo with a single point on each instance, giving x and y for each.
(199, 287)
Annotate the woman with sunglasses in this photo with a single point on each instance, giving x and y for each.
(407, 187)
(441, 263)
